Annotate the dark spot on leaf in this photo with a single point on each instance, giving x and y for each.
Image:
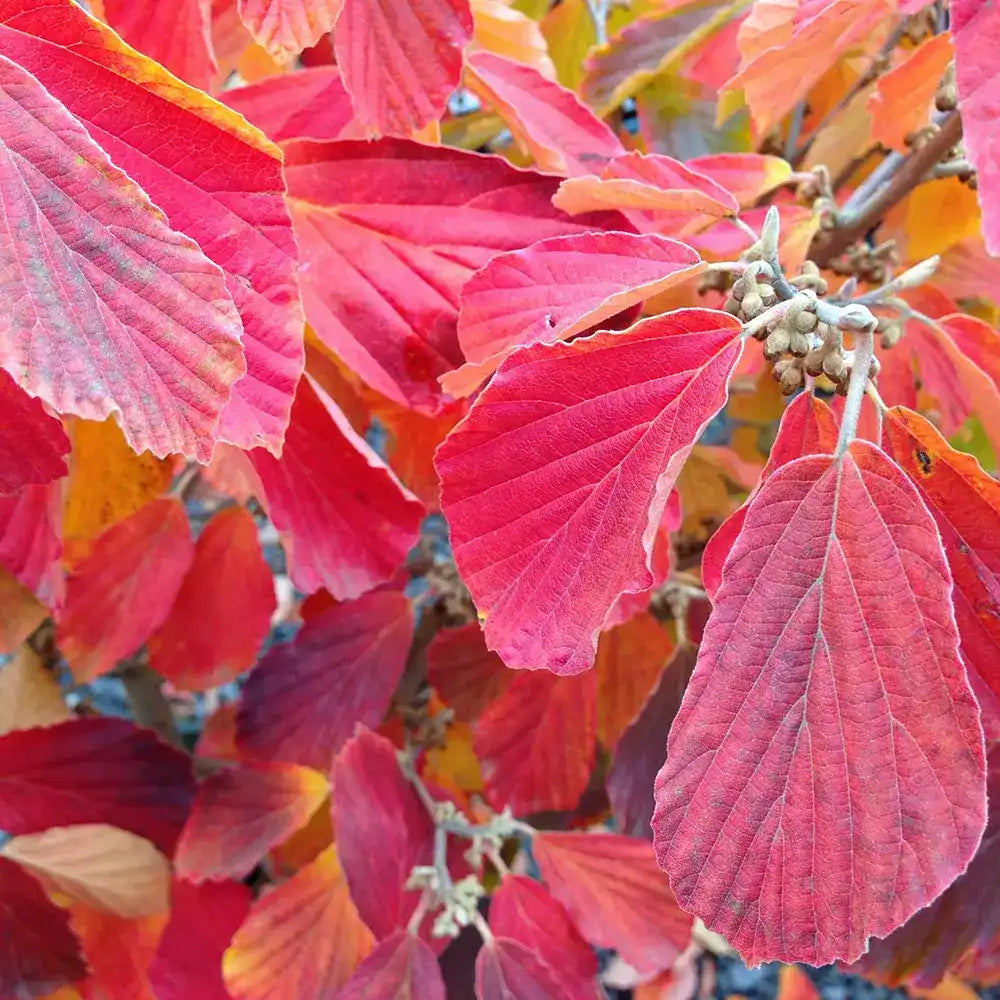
(925, 462)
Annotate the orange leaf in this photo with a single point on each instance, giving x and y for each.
(630, 658)
(302, 940)
(500, 28)
(29, 694)
(904, 97)
(22, 612)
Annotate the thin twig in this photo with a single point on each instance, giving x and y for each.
(864, 353)
(599, 15)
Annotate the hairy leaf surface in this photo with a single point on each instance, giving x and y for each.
(809, 800)
(555, 483)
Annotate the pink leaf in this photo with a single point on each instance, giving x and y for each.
(976, 31)
(561, 133)
(507, 970)
(124, 590)
(305, 697)
(307, 104)
(557, 288)
(808, 427)
(347, 521)
(373, 804)
(401, 59)
(30, 541)
(286, 27)
(809, 801)
(537, 742)
(218, 180)
(110, 310)
(524, 911)
(33, 445)
(616, 895)
(404, 226)
(402, 967)
(555, 483)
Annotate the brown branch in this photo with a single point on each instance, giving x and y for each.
(149, 704)
(831, 243)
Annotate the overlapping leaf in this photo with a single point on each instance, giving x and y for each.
(808, 427)
(562, 134)
(33, 444)
(507, 970)
(965, 503)
(30, 542)
(800, 720)
(242, 812)
(524, 911)
(401, 59)
(304, 699)
(111, 310)
(286, 27)
(29, 694)
(125, 587)
(615, 894)
(94, 771)
(466, 675)
(639, 754)
(537, 742)
(396, 820)
(203, 919)
(404, 226)
(23, 613)
(400, 968)
(216, 179)
(347, 522)
(222, 612)
(975, 28)
(564, 435)
(557, 288)
(301, 941)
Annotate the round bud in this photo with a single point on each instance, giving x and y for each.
(767, 294)
(814, 362)
(798, 344)
(791, 380)
(890, 336)
(805, 321)
(732, 306)
(834, 366)
(842, 385)
(739, 288)
(776, 344)
(753, 305)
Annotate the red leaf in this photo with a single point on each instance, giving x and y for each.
(302, 939)
(348, 523)
(506, 970)
(800, 720)
(615, 894)
(640, 751)
(203, 919)
(125, 588)
(965, 503)
(30, 542)
(557, 288)
(286, 27)
(177, 35)
(563, 434)
(404, 226)
(524, 911)
(305, 698)
(537, 742)
(808, 427)
(374, 804)
(241, 813)
(562, 134)
(466, 675)
(216, 179)
(222, 613)
(136, 320)
(402, 967)
(38, 951)
(307, 104)
(401, 59)
(975, 27)
(33, 445)
(94, 771)
(966, 915)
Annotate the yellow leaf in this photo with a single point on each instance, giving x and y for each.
(29, 694)
(511, 34)
(939, 214)
(107, 482)
(98, 865)
(570, 33)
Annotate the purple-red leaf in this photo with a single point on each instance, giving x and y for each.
(94, 771)
(33, 445)
(557, 288)
(109, 310)
(507, 970)
(402, 967)
(555, 483)
(810, 800)
(305, 697)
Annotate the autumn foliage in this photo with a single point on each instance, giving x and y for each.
(525, 470)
